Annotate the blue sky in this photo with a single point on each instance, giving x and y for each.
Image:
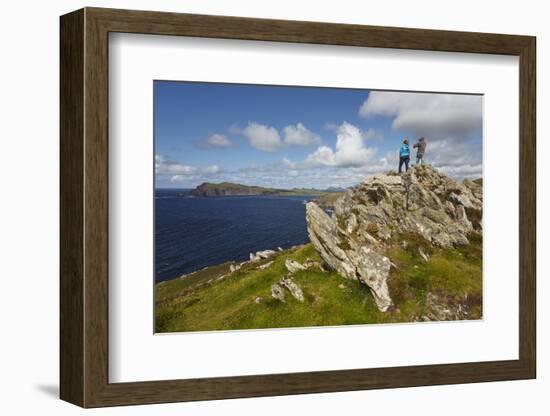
(290, 137)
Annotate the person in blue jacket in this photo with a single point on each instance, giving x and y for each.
(404, 155)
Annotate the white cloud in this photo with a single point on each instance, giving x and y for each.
(218, 140)
(163, 166)
(293, 173)
(268, 139)
(435, 116)
(299, 135)
(350, 150)
(262, 137)
(214, 141)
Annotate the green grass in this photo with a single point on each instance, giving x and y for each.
(330, 299)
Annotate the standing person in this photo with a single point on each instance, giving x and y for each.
(404, 155)
(420, 149)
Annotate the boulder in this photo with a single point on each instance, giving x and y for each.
(265, 265)
(278, 290)
(371, 216)
(293, 266)
(292, 287)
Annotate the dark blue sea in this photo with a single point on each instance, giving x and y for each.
(196, 232)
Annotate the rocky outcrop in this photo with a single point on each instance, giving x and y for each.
(265, 265)
(371, 216)
(293, 266)
(292, 287)
(278, 290)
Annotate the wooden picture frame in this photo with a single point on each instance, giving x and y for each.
(84, 207)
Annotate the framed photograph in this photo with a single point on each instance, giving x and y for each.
(255, 207)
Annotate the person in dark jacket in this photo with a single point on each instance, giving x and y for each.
(420, 149)
(404, 155)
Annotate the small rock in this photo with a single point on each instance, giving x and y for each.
(293, 266)
(278, 292)
(234, 267)
(265, 254)
(292, 287)
(342, 286)
(265, 265)
(258, 299)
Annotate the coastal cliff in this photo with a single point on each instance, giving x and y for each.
(207, 189)
(229, 189)
(395, 248)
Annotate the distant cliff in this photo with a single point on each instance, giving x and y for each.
(234, 189)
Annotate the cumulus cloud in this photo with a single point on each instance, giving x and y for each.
(164, 166)
(432, 115)
(350, 150)
(268, 139)
(263, 137)
(299, 135)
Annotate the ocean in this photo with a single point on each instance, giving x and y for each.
(195, 232)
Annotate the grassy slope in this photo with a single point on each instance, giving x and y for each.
(329, 299)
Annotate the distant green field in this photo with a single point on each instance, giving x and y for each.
(199, 302)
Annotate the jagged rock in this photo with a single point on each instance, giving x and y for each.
(348, 258)
(368, 217)
(292, 287)
(265, 265)
(278, 292)
(293, 266)
(234, 267)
